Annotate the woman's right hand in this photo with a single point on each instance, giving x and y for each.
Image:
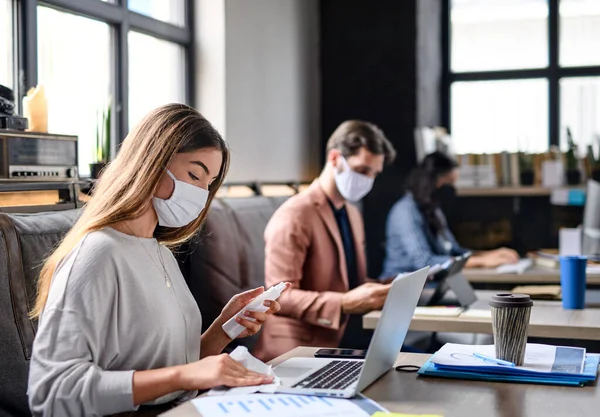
(214, 371)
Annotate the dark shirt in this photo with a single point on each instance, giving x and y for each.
(355, 336)
(343, 222)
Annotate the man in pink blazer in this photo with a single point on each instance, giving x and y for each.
(316, 241)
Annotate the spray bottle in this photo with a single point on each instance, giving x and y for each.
(233, 328)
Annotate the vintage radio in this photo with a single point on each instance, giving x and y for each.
(32, 156)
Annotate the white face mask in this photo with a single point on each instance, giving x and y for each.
(183, 207)
(352, 185)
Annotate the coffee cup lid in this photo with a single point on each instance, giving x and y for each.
(511, 300)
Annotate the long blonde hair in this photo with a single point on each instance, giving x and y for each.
(130, 181)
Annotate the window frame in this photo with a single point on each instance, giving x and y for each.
(121, 20)
(553, 72)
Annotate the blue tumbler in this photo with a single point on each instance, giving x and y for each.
(572, 281)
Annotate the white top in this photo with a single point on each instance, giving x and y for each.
(109, 313)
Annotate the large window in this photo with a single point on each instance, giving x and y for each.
(83, 93)
(171, 11)
(133, 54)
(155, 78)
(6, 44)
(493, 116)
(519, 72)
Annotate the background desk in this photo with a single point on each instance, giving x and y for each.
(548, 320)
(489, 277)
(407, 393)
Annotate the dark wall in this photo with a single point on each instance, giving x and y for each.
(369, 71)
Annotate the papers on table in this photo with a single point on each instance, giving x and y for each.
(379, 414)
(441, 311)
(445, 311)
(284, 405)
(476, 314)
(543, 364)
(539, 292)
(538, 358)
(593, 269)
(518, 268)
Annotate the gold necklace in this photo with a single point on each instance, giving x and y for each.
(164, 269)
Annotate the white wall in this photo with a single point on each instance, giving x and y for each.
(270, 88)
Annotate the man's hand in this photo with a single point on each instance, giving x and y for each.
(364, 298)
(493, 258)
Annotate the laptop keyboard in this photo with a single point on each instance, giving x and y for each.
(336, 375)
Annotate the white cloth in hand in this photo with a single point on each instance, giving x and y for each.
(241, 355)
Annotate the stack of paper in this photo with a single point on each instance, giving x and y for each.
(518, 268)
(544, 364)
(438, 311)
(540, 292)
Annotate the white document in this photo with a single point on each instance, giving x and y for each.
(476, 314)
(280, 405)
(518, 268)
(553, 174)
(593, 269)
(438, 311)
(569, 242)
(241, 355)
(538, 358)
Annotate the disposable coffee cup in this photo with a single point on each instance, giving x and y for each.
(510, 320)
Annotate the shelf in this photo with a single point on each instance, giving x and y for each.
(33, 197)
(504, 192)
(38, 208)
(17, 186)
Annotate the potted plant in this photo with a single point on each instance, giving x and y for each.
(571, 157)
(593, 161)
(103, 142)
(527, 175)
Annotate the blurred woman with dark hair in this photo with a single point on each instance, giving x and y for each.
(417, 234)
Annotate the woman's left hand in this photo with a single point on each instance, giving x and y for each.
(239, 301)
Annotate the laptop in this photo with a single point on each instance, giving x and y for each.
(449, 277)
(347, 377)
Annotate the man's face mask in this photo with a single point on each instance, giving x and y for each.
(183, 207)
(351, 185)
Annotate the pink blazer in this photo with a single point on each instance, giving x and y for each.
(304, 246)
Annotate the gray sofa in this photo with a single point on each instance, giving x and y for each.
(227, 257)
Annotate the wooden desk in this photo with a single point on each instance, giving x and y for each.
(532, 276)
(408, 393)
(548, 319)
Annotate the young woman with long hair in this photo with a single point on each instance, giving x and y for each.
(118, 326)
(417, 234)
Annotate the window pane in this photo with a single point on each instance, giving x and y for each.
(74, 66)
(579, 32)
(156, 75)
(6, 44)
(496, 116)
(580, 109)
(170, 11)
(499, 34)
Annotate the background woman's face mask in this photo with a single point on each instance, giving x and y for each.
(183, 207)
(352, 185)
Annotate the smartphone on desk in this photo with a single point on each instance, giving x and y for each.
(341, 353)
